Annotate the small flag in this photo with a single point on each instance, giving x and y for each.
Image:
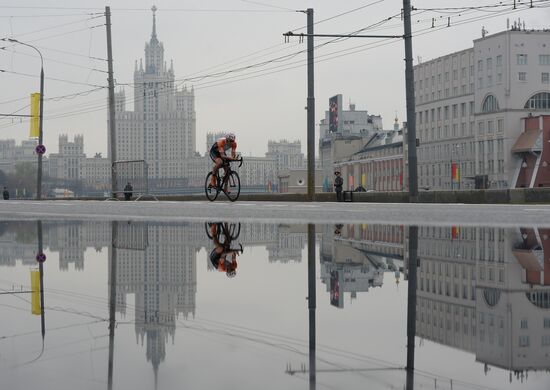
(35, 115)
(455, 173)
(455, 232)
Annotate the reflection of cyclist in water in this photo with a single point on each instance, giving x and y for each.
(222, 257)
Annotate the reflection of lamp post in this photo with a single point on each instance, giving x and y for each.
(40, 148)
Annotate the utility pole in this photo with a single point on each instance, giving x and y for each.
(310, 111)
(411, 119)
(413, 176)
(112, 124)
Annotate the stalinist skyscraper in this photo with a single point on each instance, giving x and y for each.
(161, 128)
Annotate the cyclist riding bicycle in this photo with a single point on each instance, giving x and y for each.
(222, 257)
(218, 153)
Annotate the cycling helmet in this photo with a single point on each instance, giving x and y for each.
(230, 137)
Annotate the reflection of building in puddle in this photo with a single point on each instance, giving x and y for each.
(486, 291)
(162, 276)
(354, 258)
(287, 243)
(69, 238)
(18, 243)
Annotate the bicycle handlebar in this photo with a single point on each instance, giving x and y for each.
(228, 160)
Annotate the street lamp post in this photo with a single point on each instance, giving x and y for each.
(40, 149)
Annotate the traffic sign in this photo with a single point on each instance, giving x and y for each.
(41, 257)
(40, 149)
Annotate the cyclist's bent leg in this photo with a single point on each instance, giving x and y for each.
(217, 164)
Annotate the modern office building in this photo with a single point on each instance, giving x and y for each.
(474, 111)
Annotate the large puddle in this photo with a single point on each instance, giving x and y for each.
(145, 305)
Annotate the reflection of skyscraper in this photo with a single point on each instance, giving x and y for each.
(475, 294)
(162, 275)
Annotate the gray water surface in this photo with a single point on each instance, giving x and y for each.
(141, 305)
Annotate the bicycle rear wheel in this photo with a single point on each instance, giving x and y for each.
(211, 192)
(233, 186)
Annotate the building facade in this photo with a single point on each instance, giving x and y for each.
(12, 154)
(162, 127)
(377, 166)
(68, 163)
(469, 110)
(352, 130)
(486, 291)
(287, 154)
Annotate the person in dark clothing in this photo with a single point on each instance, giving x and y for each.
(128, 189)
(338, 183)
(6, 193)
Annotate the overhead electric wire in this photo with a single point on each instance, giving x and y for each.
(341, 14)
(53, 27)
(500, 4)
(212, 10)
(46, 59)
(287, 66)
(46, 15)
(50, 78)
(267, 5)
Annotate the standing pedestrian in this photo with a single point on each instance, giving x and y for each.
(6, 193)
(338, 183)
(128, 189)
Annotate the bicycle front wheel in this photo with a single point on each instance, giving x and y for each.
(211, 192)
(233, 186)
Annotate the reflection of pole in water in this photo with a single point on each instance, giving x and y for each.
(112, 302)
(40, 257)
(311, 301)
(411, 304)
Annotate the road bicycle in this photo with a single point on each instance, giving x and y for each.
(229, 183)
(222, 231)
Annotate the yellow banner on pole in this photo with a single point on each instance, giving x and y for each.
(35, 295)
(35, 115)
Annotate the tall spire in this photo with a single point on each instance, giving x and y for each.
(154, 34)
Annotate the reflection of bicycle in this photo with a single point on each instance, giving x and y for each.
(222, 231)
(229, 184)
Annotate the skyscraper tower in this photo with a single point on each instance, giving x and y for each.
(161, 128)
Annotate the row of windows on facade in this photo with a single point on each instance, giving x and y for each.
(521, 59)
(446, 291)
(525, 342)
(465, 233)
(462, 252)
(443, 307)
(490, 149)
(521, 76)
(437, 171)
(444, 94)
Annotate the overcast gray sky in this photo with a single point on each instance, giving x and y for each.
(213, 36)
